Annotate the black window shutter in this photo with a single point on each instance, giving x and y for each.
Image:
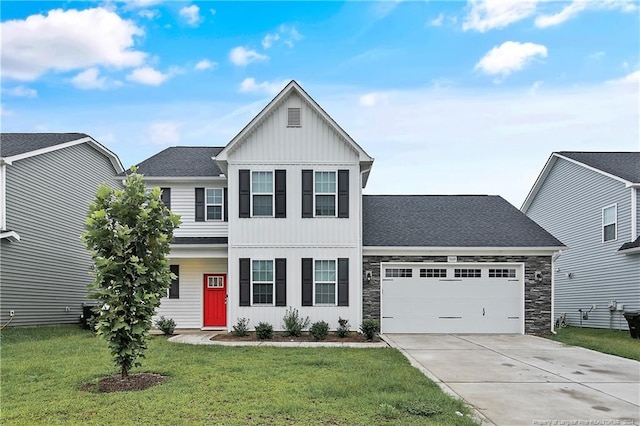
(281, 193)
(245, 282)
(166, 197)
(307, 282)
(174, 289)
(244, 182)
(307, 193)
(199, 204)
(281, 282)
(226, 207)
(343, 282)
(343, 193)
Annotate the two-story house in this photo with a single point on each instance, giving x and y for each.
(590, 201)
(47, 181)
(277, 219)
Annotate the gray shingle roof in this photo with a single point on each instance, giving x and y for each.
(182, 161)
(19, 143)
(449, 221)
(625, 165)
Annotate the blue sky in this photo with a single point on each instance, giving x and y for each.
(449, 97)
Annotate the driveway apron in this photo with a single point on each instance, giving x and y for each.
(528, 380)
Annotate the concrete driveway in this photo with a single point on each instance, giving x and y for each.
(528, 380)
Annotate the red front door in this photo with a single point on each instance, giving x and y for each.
(215, 300)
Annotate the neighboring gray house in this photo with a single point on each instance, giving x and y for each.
(47, 181)
(590, 201)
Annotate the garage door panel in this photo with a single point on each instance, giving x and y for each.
(466, 305)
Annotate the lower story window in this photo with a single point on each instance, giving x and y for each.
(325, 282)
(262, 282)
(502, 273)
(467, 273)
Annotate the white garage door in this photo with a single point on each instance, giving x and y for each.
(452, 298)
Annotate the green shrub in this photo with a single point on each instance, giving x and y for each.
(370, 328)
(343, 327)
(387, 411)
(241, 328)
(319, 330)
(166, 325)
(264, 331)
(293, 324)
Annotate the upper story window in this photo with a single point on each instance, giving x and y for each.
(214, 203)
(262, 193)
(609, 223)
(293, 117)
(325, 193)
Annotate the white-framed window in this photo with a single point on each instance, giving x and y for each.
(610, 223)
(467, 273)
(398, 273)
(433, 273)
(325, 279)
(325, 193)
(262, 193)
(262, 282)
(502, 273)
(214, 203)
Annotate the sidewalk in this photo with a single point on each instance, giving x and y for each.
(204, 338)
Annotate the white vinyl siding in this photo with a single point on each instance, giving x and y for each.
(588, 272)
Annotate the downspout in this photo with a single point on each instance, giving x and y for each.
(554, 257)
(3, 195)
(634, 213)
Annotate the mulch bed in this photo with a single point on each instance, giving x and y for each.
(279, 336)
(133, 382)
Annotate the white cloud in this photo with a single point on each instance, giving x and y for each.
(509, 57)
(240, 56)
(596, 56)
(633, 78)
(249, 85)
(205, 64)
(140, 4)
(89, 79)
(212, 11)
(437, 22)
(576, 6)
(533, 91)
(148, 76)
(21, 92)
(149, 13)
(65, 40)
(191, 14)
(484, 15)
(373, 99)
(269, 39)
(163, 133)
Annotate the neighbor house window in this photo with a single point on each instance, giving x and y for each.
(467, 273)
(262, 282)
(214, 203)
(609, 221)
(325, 193)
(262, 193)
(398, 273)
(325, 282)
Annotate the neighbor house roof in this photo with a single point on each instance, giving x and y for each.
(17, 146)
(182, 161)
(621, 166)
(449, 221)
(631, 247)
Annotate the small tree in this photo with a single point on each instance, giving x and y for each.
(128, 232)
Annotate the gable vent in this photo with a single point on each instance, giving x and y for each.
(293, 117)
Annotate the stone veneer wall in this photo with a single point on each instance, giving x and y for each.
(537, 295)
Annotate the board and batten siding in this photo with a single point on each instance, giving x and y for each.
(589, 272)
(45, 275)
(187, 310)
(183, 201)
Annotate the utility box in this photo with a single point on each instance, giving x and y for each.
(633, 318)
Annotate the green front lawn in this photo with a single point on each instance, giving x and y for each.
(44, 368)
(614, 342)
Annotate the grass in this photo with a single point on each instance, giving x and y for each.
(614, 342)
(43, 369)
